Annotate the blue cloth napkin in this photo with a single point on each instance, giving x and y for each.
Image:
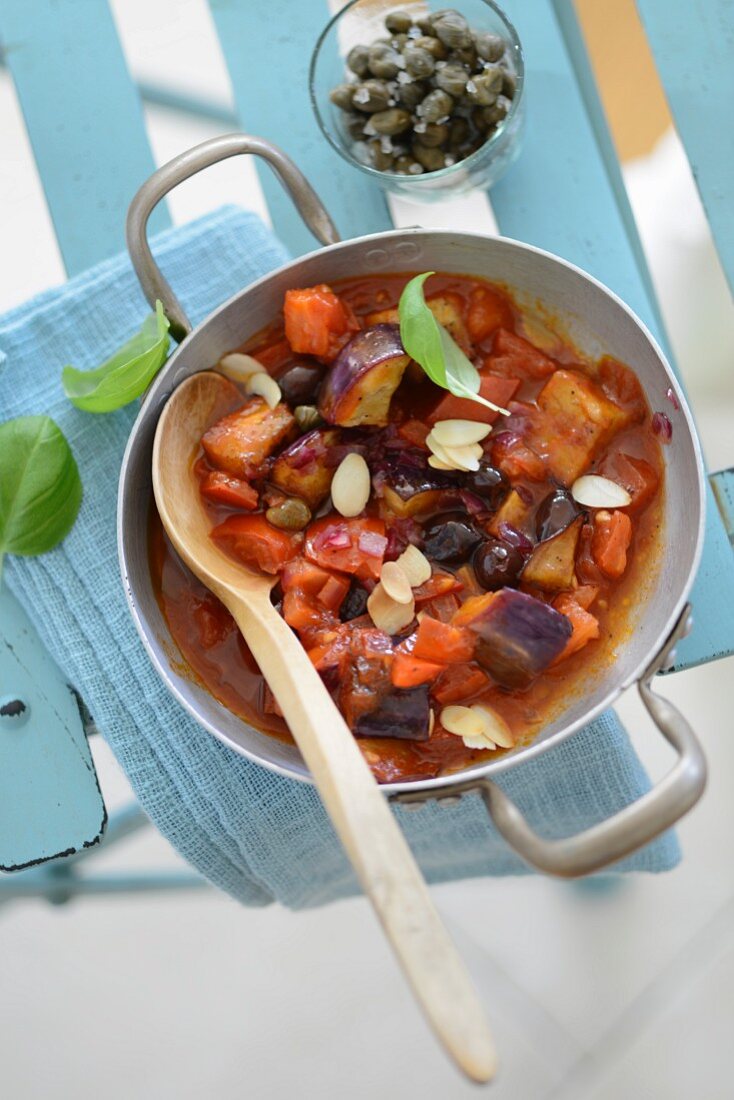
(256, 835)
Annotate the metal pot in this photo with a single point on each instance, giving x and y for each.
(598, 322)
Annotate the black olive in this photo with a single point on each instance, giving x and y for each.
(355, 603)
(555, 513)
(450, 538)
(497, 564)
(299, 383)
(487, 482)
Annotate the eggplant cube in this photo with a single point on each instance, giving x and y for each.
(240, 442)
(303, 470)
(577, 421)
(359, 387)
(519, 637)
(551, 564)
(403, 713)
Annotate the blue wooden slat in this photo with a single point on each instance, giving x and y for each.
(83, 117)
(263, 43)
(50, 803)
(693, 45)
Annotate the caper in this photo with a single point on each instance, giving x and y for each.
(452, 78)
(467, 57)
(484, 89)
(509, 83)
(425, 25)
(436, 106)
(384, 61)
(435, 134)
(490, 47)
(458, 131)
(431, 159)
(379, 158)
(291, 515)
(400, 41)
(371, 96)
(407, 166)
(341, 96)
(453, 30)
(418, 62)
(484, 118)
(393, 121)
(358, 60)
(411, 93)
(398, 21)
(434, 46)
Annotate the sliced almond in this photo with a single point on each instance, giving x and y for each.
(595, 491)
(436, 447)
(459, 433)
(431, 721)
(466, 458)
(307, 417)
(264, 386)
(395, 582)
(495, 727)
(415, 565)
(462, 721)
(437, 464)
(238, 367)
(387, 614)
(350, 487)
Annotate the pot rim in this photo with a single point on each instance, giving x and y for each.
(522, 752)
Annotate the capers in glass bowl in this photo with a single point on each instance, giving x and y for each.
(430, 102)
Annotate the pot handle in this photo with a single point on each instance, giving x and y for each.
(188, 164)
(630, 829)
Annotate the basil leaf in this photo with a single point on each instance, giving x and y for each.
(40, 487)
(124, 376)
(433, 348)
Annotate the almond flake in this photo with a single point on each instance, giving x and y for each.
(437, 464)
(386, 613)
(415, 565)
(431, 721)
(462, 721)
(459, 433)
(238, 367)
(395, 583)
(307, 417)
(599, 492)
(264, 386)
(350, 487)
(495, 727)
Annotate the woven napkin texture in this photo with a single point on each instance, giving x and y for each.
(254, 834)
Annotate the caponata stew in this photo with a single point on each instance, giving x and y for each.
(453, 573)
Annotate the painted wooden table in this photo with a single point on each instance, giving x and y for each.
(84, 119)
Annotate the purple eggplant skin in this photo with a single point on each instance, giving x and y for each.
(365, 374)
(403, 713)
(519, 637)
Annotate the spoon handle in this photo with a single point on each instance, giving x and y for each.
(373, 840)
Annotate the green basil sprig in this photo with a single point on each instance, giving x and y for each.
(434, 349)
(40, 487)
(124, 376)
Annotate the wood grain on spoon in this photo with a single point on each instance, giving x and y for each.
(359, 813)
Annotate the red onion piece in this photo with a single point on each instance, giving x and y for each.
(515, 538)
(372, 544)
(670, 394)
(524, 493)
(662, 427)
(473, 503)
(333, 538)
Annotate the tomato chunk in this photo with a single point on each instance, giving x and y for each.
(317, 322)
(240, 442)
(585, 625)
(354, 546)
(517, 358)
(635, 475)
(459, 682)
(440, 584)
(409, 671)
(257, 543)
(487, 311)
(610, 542)
(451, 644)
(224, 489)
(497, 390)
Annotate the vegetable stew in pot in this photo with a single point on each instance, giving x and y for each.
(456, 564)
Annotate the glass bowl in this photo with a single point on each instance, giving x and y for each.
(361, 22)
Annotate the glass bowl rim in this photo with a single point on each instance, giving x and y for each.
(440, 173)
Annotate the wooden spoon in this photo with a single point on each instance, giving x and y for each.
(359, 813)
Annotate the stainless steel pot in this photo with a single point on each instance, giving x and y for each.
(599, 323)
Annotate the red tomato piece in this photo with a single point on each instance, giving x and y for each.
(518, 358)
(453, 645)
(491, 387)
(515, 459)
(610, 542)
(334, 592)
(317, 322)
(302, 613)
(459, 682)
(257, 543)
(585, 626)
(224, 489)
(623, 386)
(440, 584)
(409, 671)
(355, 546)
(415, 432)
(635, 475)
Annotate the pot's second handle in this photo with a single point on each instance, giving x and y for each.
(188, 164)
(634, 826)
